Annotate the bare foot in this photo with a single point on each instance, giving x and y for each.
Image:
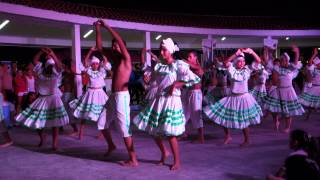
(42, 141)
(227, 140)
(73, 134)
(163, 158)
(6, 144)
(80, 137)
(100, 136)
(129, 163)
(175, 166)
(110, 150)
(245, 144)
(287, 130)
(277, 125)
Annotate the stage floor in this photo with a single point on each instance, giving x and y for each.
(212, 160)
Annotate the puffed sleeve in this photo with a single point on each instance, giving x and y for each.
(184, 74)
(38, 69)
(237, 75)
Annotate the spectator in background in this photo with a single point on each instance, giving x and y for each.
(20, 89)
(7, 82)
(30, 80)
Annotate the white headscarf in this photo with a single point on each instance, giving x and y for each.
(49, 62)
(240, 56)
(169, 45)
(286, 56)
(95, 60)
(316, 61)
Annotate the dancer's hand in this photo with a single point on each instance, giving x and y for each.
(248, 50)
(315, 51)
(295, 49)
(172, 88)
(239, 51)
(146, 78)
(93, 48)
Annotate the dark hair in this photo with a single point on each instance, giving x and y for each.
(67, 62)
(276, 60)
(307, 143)
(98, 54)
(195, 53)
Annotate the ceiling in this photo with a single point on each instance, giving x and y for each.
(28, 27)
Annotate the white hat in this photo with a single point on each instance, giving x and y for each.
(240, 56)
(316, 61)
(49, 62)
(169, 45)
(286, 56)
(95, 60)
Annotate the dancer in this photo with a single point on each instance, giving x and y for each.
(283, 100)
(192, 97)
(90, 105)
(259, 91)
(118, 105)
(47, 110)
(3, 130)
(221, 89)
(164, 115)
(68, 94)
(310, 98)
(240, 109)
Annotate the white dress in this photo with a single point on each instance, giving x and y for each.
(259, 91)
(48, 109)
(163, 116)
(90, 105)
(311, 96)
(240, 109)
(283, 99)
(221, 90)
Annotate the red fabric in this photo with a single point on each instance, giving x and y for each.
(20, 84)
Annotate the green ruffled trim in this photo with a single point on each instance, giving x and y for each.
(44, 114)
(84, 108)
(310, 98)
(291, 105)
(155, 119)
(227, 114)
(258, 94)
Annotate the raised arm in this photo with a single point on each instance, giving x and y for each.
(87, 58)
(123, 48)
(296, 51)
(98, 36)
(314, 55)
(57, 62)
(233, 56)
(153, 56)
(251, 52)
(143, 56)
(36, 58)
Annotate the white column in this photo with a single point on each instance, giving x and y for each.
(76, 57)
(147, 43)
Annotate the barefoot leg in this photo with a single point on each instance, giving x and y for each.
(164, 152)
(227, 138)
(175, 150)
(107, 136)
(246, 141)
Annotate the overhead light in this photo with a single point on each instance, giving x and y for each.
(318, 48)
(287, 38)
(4, 23)
(88, 33)
(223, 38)
(158, 37)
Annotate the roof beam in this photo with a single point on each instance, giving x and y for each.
(77, 19)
